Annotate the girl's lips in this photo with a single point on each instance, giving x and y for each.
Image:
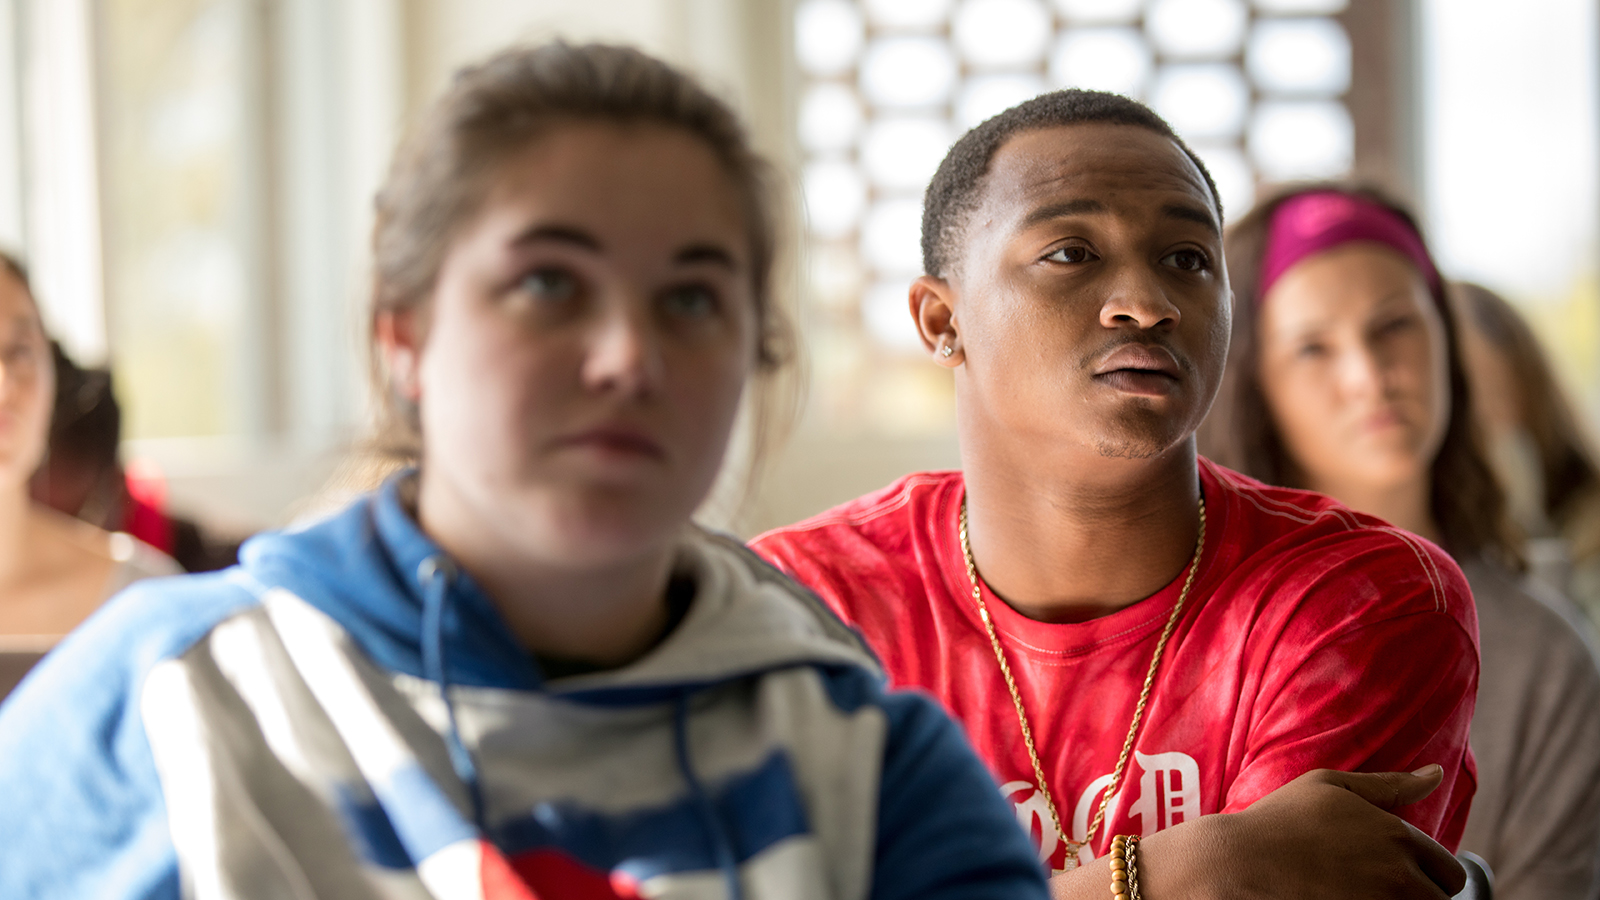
(615, 440)
(1382, 420)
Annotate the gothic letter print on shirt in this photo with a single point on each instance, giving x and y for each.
(1169, 793)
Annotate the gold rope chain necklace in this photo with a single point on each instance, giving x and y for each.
(1138, 710)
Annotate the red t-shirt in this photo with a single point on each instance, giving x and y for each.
(1314, 636)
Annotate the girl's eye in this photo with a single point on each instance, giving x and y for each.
(1071, 254)
(1310, 351)
(1187, 260)
(1393, 326)
(689, 302)
(15, 354)
(550, 285)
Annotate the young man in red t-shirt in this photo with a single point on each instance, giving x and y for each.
(1075, 286)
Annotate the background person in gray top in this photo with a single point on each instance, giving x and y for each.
(1538, 444)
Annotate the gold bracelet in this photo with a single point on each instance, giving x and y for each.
(1125, 867)
(1133, 867)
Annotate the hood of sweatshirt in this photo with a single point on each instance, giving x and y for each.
(412, 610)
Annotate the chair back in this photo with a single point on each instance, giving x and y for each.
(1480, 878)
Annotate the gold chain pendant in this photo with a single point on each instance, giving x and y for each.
(1070, 862)
(1073, 847)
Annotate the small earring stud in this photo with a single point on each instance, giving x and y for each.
(947, 351)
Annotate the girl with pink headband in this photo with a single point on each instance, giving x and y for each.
(1344, 377)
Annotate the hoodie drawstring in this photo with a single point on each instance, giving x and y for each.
(436, 574)
(721, 844)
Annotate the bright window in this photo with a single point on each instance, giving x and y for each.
(179, 222)
(1511, 164)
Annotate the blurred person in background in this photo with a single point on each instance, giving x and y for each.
(54, 570)
(83, 475)
(1138, 640)
(1344, 377)
(1537, 444)
(516, 670)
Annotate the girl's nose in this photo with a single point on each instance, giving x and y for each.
(624, 354)
(1361, 372)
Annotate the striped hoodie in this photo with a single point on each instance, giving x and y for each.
(345, 714)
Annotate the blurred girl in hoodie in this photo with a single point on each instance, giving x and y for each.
(516, 669)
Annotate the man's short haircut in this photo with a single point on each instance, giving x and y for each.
(956, 189)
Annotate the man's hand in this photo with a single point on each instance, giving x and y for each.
(1324, 836)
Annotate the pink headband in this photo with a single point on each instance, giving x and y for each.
(1321, 220)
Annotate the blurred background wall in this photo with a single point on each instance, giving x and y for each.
(191, 183)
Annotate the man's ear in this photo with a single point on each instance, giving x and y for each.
(933, 309)
(399, 336)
